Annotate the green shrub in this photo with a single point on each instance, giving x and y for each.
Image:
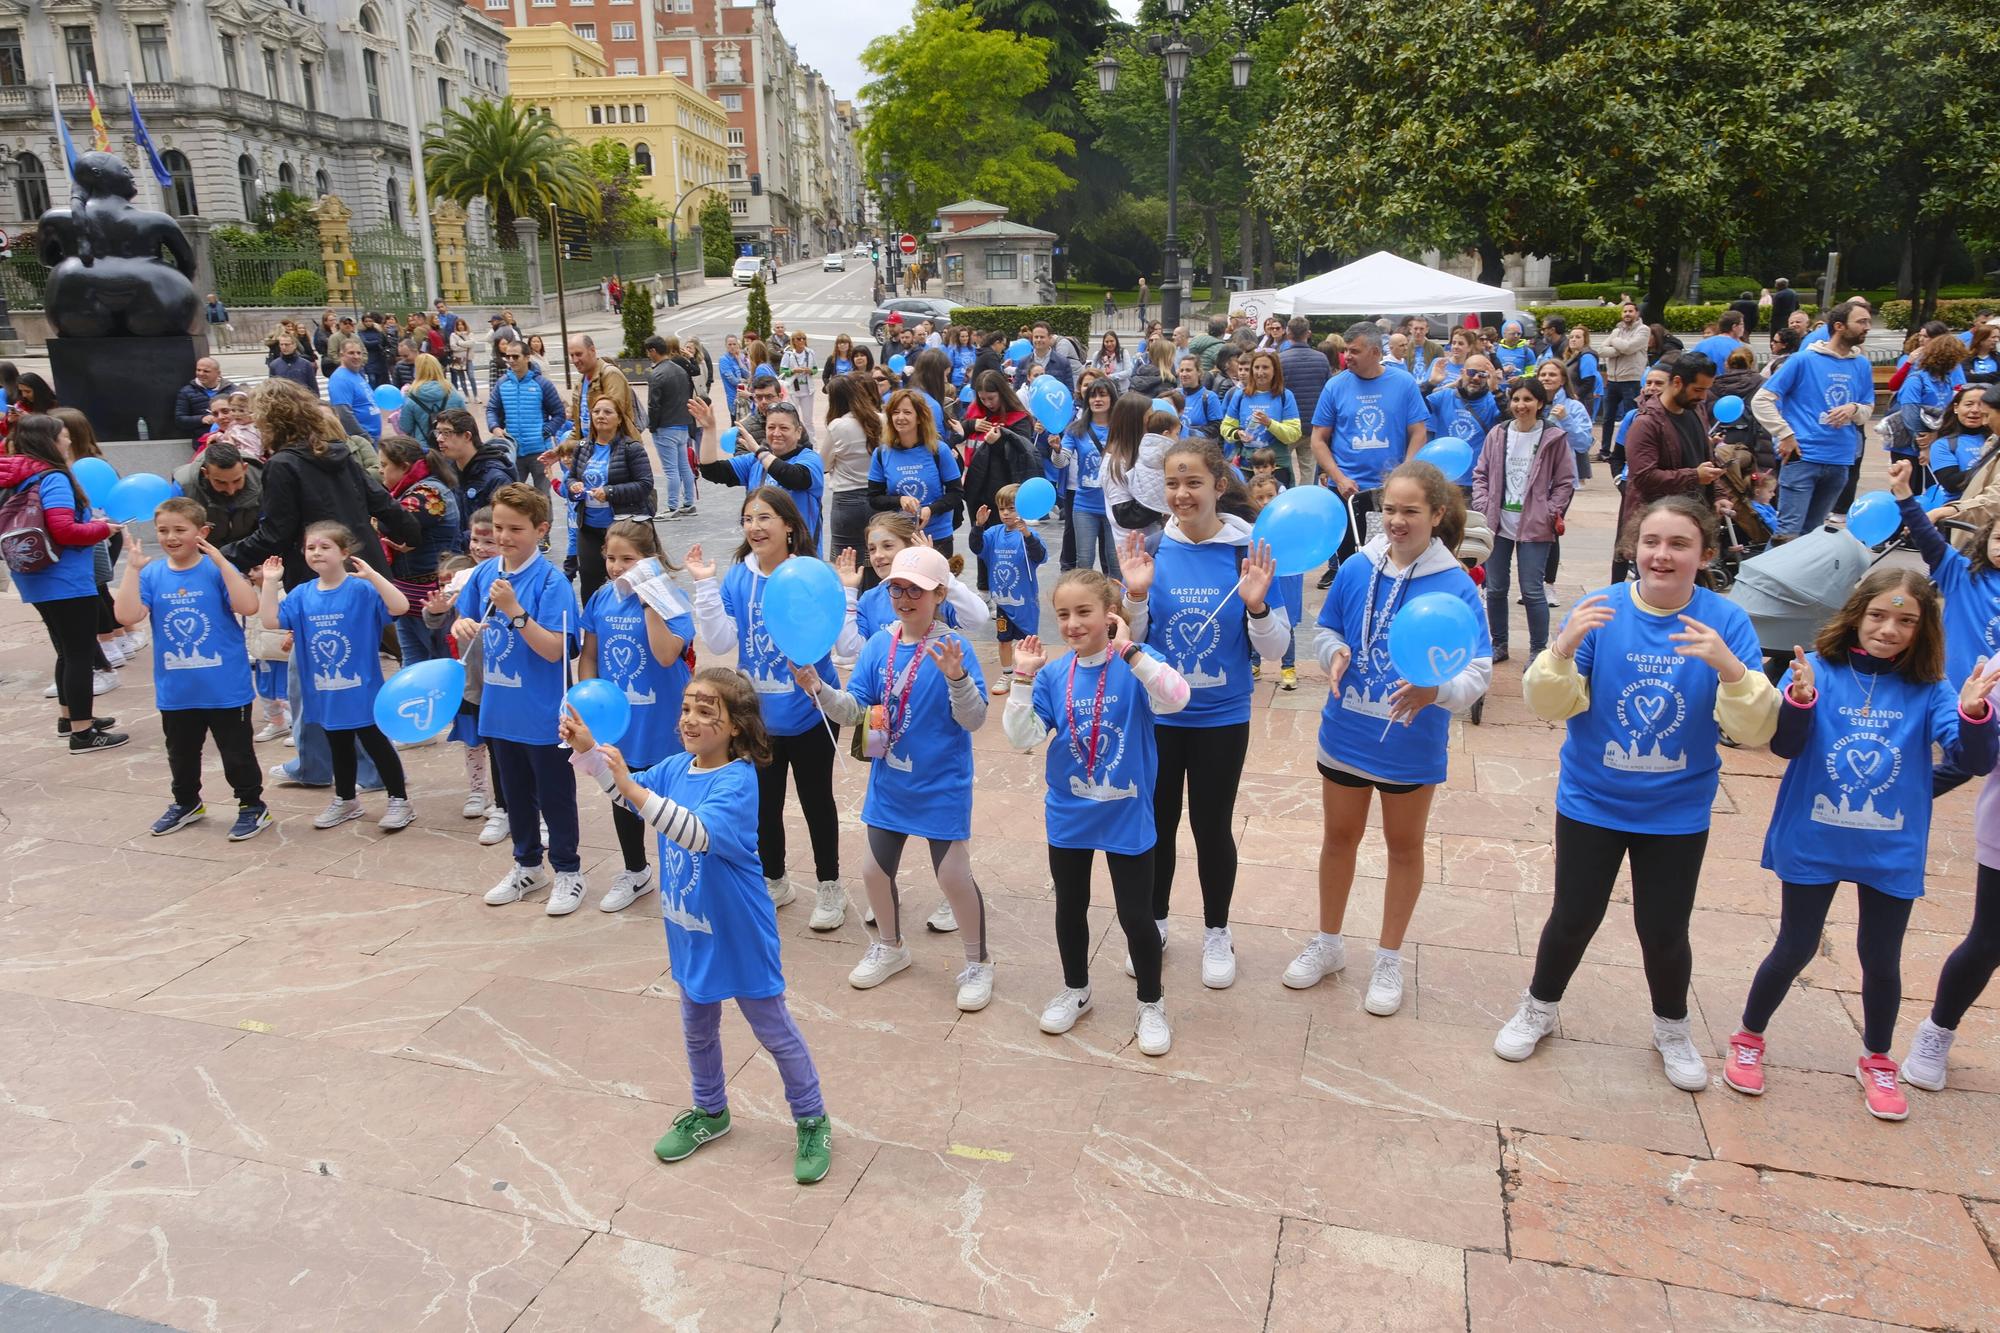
(1073, 320)
(1958, 314)
(299, 286)
(637, 314)
(1599, 291)
(1603, 318)
(1725, 287)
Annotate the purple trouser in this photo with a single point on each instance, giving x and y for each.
(772, 1022)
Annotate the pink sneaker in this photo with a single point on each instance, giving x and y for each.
(1744, 1069)
(1878, 1084)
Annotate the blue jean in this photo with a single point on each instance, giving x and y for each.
(701, 1025)
(671, 443)
(1533, 560)
(314, 765)
(1806, 492)
(1618, 395)
(540, 785)
(1094, 535)
(418, 641)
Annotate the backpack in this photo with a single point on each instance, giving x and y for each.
(25, 541)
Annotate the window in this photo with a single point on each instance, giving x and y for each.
(153, 67)
(370, 23)
(13, 66)
(683, 6)
(307, 86)
(272, 88)
(735, 138)
(444, 95)
(639, 113)
(728, 64)
(544, 4)
(625, 115)
(371, 78)
(31, 186)
(182, 175)
(288, 179)
(642, 159)
(999, 264)
(675, 65)
(587, 31)
(625, 65)
(735, 170)
(739, 208)
(732, 101)
(321, 186)
(395, 205)
(231, 75)
(499, 4)
(246, 182)
(82, 51)
(597, 115)
(623, 32)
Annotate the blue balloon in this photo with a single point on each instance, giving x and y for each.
(1449, 455)
(728, 441)
(134, 499)
(1052, 406)
(1303, 527)
(1165, 405)
(420, 701)
(1019, 351)
(603, 707)
(965, 394)
(388, 397)
(804, 608)
(898, 363)
(1036, 499)
(1728, 409)
(1873, 518)
(1432, 638)
(97, 477)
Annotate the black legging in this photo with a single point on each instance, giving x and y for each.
(809, 756)
(590, 559)
(1209, 762)
(1878, 940)
(1131, 889)
(1666, 868)
(72, 627)
(631, 832)
(1972, 963)
(387, 763)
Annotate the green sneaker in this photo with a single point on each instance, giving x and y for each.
(815, 1155)
(691, 1130)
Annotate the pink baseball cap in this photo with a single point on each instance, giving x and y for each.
(921, 565)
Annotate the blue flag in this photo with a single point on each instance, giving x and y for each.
(145, 141)
(62, 129)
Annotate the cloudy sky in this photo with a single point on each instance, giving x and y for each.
(830, 35)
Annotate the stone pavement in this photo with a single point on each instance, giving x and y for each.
(312, 1082)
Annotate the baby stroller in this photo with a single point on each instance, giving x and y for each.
(1789, 591)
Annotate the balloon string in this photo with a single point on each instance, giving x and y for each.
(1220, 603)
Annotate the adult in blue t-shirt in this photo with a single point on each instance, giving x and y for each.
(916, 473)
(786, 459)
(1816, 405)
(1369, 419)
(1465, 408)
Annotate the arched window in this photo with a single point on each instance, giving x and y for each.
(642, 159)
(246, 180)
(176, 163)
(288, 179)
(31, 186)
(442, 51)
(395, 204)
(321, 187)
(370, 22)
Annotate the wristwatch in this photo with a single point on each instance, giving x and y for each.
(518, 622)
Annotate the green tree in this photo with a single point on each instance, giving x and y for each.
(757, 313)
(946, 118)
(510, 155)
(636, 316)
(625, 210)
(718, 239)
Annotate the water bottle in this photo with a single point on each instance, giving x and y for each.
(144, 433)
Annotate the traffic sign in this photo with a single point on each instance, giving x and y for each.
(907, 244)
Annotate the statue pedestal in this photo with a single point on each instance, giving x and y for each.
(117, 382)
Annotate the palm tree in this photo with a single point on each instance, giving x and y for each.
(513, 157)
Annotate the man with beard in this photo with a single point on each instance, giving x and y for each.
(1466, 407)
(1816, 407)
(1368, 420)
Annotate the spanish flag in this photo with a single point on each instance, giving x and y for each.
(100, 138)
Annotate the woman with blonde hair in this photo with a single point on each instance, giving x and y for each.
(429, 394)
(1155, 376)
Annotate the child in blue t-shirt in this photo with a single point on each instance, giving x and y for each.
(1013, 557)
(201, 670)
(1288, 590)
(629, 642)
(1096, 705)
(1859, 718)
(722, 930)
(337, 621)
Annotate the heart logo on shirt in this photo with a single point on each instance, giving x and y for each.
(330, 650)
(1650, 708)
(1864, 763)
(1380, 660)
(623, 660)
(1448, 663)
(1189, 635)
(185, 628)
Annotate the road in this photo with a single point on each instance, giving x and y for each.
(825, 305)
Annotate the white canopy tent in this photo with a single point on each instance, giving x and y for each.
(1386, 284)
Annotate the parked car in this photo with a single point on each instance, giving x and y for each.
(913, 308)
(835, 262)
(745, 270)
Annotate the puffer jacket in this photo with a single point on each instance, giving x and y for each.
(303, 487)
(629, 485)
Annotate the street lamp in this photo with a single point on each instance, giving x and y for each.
(1176, 49)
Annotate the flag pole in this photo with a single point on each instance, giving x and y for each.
(62, 131)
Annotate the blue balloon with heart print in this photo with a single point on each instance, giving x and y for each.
(1432, 638)
(420, 701)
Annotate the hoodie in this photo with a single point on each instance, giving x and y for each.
(1794, 402)
(1137, 500)
(422, 403)
(301, 488)
(65, 513)
(1193, 617)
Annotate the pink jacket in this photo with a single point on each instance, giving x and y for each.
(1551, 483)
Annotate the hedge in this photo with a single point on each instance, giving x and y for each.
(299, 286)
(1603, 318)
(1725, 285)
(1073, 320)
(1958, 314)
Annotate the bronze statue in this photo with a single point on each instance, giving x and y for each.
(107, 277)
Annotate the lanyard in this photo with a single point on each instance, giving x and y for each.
(1087, 758)
(1373, 627)
(899, 701)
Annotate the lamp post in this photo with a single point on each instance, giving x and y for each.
(1176, 49)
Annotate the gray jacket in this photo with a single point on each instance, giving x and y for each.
(667, 392)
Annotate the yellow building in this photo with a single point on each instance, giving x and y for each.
(676, 136)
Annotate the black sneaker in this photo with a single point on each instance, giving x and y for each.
(177, 818)
(1326, 580)
(250, 821)
(62, 724)
(81, 742)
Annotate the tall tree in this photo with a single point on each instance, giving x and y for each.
(718, 235)
(513, 157)
(625, 210)
(946, 117)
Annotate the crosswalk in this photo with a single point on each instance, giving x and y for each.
(733, 312)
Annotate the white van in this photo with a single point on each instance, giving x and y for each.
(745, 270)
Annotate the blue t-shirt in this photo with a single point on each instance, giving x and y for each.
(1856, 802)
(923, 785)
(1370, 420)
(788, 710)
(522, 696)
(722, 932)
(751, 473)
(198, 655)
(625, 658)
(1809, 386)
(1354, 730)
(1203, 416)
(338, 637)
(1568, 413)
(1971, 613)
(74, 572)
(1589, 375)
(349, 389)
(1110, 809)
(1242, 405)
(1986, 367)
(597, 474)
(1513, 360)
(1467, 418)
(1961, 451)
(872, 611)
(1644, 757)
(1207, 645)
(1087, 449)
(1928, 390)
(1012, 575)
(921, 473)
(1717, 347)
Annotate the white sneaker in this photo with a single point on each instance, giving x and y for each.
(868, 914)
(1060, 1014)
(103, 682)
(1525, 1030)
(567, 895)
(52, 692)
(292, 739)
(1323, 956)
(475, 805)
(1218, 959)
(781, 891)
(113, 652)
(881, 962)
(1155, 1037)
(1686, 1069)
(520, 882)
(135, 639)
(975, 987)
(400, 815)
(1162, 925)
(625, 890)
(1385, 987)
(1925, 1064)
(942, 920)
(272, 731)
(337, 812)
(496, 830)
(830, 906)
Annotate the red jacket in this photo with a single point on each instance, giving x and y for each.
(64, 526)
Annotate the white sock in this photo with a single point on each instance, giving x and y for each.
(1336, 939)
(1161, 923)
(1396, 954)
